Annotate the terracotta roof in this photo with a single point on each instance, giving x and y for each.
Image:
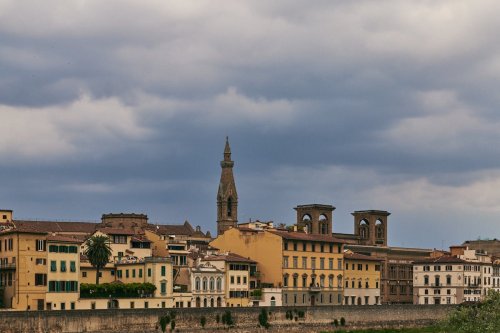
(65, 239)
(142, 239)
(51, 226)
(357, 256)
(307, 237)
(172, 229)
(116, 231)
(441, 260)
(229, 257)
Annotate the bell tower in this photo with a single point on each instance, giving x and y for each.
(227, 198)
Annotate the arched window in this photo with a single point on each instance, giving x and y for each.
(198, 302)
(323, 224)
(322, 281)
(273, 301)
(339, 281)
(219, 283)
(212, 283)
(330, 281)
(205, 303)
(204, 283)
(364, 230)
(379, 227)
(211, 302)
(219, 302)
(197, 283)
(229, 206)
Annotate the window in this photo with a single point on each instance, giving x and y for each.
(149, 272)
(197, 283)
(72, 305)
(285, 262)
(330, 263)
(53, 248)
(322, 248)
(313, 247)
(40, 245)
(321, 263)
(313, 263)
(232, 279)
(119, 273)
(212, 283)
(53, 266)
(360, 267)
(238, 279)
(219, 283)
(304, 262)
(295, 262)
(84, 274)
(285, 280)
(339, 263)
(126, 273)
(204, 283)
(63, 249)
(285, 245)
(295, 246)
(163, 271)
(72, 266)
(133, 273)
(163, 287)
(40, 261)
(377, 268)
(119, 239)
(304, 246)
(40, 279)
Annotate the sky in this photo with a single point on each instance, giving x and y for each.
(124, 106)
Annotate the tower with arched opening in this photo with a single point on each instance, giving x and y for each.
(227, 197)
(371, 226)
(315, 219)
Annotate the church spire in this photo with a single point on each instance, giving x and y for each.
(227, 197)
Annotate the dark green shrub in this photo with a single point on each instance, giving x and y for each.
(263, 318)
(217, 318)
(336, 323)
(172, 325)
(203, 321)
(164, 321)
(301, 314)
(342, 321)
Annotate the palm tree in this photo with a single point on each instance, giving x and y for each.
(98, 252)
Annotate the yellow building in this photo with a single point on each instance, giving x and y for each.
(23, 269)
(362, 279)
(63, 272)
(308, 267)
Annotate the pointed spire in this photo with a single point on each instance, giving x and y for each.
(227, 151)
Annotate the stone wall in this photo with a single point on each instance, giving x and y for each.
(188, 319)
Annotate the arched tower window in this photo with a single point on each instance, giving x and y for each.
(379, 229)
(323, 224)
(229, 206)
(307, 222)
(364, 230)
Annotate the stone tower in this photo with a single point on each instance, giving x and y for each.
(227, 198)
(315, 219)
(371, 226)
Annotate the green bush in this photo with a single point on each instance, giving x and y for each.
(203, 321)
(336, 323)
(116, 290)
(227, 319)
(483, 317)
(263, 318)
(342, 321)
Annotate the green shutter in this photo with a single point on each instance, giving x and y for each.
(163, 271)
(63, 266)
(72, 266)
(53, 266)
(163, 287)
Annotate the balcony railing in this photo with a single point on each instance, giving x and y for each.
(315, 289)
(8, 266)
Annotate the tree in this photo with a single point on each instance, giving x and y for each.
(203, 321)
(263, 318)
(483, 317)
(98, 252)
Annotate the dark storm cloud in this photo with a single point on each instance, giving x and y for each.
(124, 106)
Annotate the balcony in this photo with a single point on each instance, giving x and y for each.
(8, 266)
(255, 274)
(315, 289)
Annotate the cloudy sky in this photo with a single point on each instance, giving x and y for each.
(123, 106)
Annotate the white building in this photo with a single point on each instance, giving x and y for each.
(465, 276)
(207, 285)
